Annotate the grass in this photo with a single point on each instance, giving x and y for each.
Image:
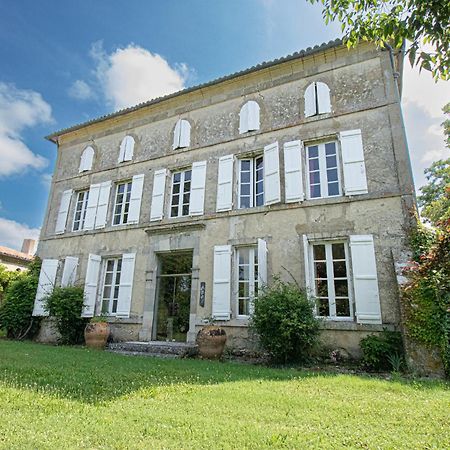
(61, 397)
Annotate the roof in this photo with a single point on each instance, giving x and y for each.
(6, 251)
(264, 65)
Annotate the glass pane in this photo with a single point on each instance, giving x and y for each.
(333, 189)
(119, 265)
(117, 282)
(313, 164)
(314, 177)
(260, 200)
(245, 165)
(119, 198)
(245, 189)
(340, 270)
(244, 307)
(321, 269)
(187, 186)
(185, 210)
(244, 289)
(176, 189)
(321, 288)
(332, 175)
(323, 308)
(342, 307)
(175, 199)
(105, 306)
(77, 216)
(114, 308)
(330, 148)
(120, 188)
(243, 256)
(245, 177)
(108, 278)
(313, 151)
(244, 273)
(331, 161)
(187, 175)
(110, 265)
(319, 252)
(186, 198)
(338, 251)
(107, 292)
(341, 288)
(176, 177)
(174, 211)
(259, 188)
(315, 191)
(116, 292)
(245, 202)
(259, 163)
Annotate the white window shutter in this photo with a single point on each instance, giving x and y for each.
(69, 274)
(82, 163)
(323, 98)
(221, 303)
(176, 135)
(355, 180)
(243, 119)
(122, 150)
(293, 178)
(102, 206)
(135, 198)
(310, 100)
(253, 116)
(272, 192)
(185, 134)
(64, 205)
(129, 148)
(197, 198)
(90, 285)
(159, 187)
(225, 184)
(262, 262)
(46, 283)
(126, 285)
(87, 157)
(365, 280)
(308, 281)
(91, 208)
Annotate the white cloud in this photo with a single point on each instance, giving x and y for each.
(46, 180)
(80, 90)
(13, 233)
(133, 74)
(20, 109)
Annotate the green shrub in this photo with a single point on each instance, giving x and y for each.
(285, 322)
(65, 305)
(17, 308)
(383, 351)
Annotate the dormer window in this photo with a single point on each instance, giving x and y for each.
(87, 157)
(249, 117)
(182, 134)
(126, 149)
(317, 99)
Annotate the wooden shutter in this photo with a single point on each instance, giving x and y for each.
(262, 262)
(135, 198)
(86, 160)
(225, 184)
(308, 281)
(323, 98)
(45, 287)
(253, 116)
(91, 208)
(69, 274)
(90, 285)
(63, 212)
(365, 281)
(102, 206)
(159, 187)
(197, 198)
(82, 161)
(129, 148)
(293, 178)
(176, 135)
(122, 149)
(355, 180)
(310, 100)
(126, 285)
(271, 174)
(185, 134)
(221, 303)
(243, 119)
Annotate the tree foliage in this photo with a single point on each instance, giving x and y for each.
(6, 276)
(421, 22)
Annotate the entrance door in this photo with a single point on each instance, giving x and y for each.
(174, 297)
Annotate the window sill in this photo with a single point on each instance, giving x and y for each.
(341, 325)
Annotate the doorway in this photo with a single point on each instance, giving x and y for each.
(174, 296)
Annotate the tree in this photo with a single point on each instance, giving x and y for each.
(421, 22)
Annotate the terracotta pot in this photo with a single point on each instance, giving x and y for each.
(211, 341)
(96, 334)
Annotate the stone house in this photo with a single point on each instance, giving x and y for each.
(180, 208)
(17, 261)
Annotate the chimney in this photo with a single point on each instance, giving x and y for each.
(29, 246)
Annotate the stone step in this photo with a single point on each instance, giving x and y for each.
(155, 348)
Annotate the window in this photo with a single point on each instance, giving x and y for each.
(331, 284)
(182, 134)
(317, 99)
(249, 117)
(111, 284)
(251, 182)
(323, 170)
(86, 160)
(247, 279)
(181, 193)
(80, 210)
(126, 149)
(122, 205)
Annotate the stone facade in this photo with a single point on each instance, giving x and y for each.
(364, 96)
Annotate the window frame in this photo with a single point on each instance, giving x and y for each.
(253, 181)
(123, 204)
(253, 280)
(82, 211)
(181, 203)
(113, 286)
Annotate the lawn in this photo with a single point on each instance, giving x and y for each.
(60, 397)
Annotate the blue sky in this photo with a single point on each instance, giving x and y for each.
(63, 62)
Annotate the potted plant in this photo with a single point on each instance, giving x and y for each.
(96, 332)
(211, 340)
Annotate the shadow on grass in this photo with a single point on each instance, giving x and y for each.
(95, 376)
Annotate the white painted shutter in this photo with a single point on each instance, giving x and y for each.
(63, 212)
(323, 98)
(355, 180)
(253, 116)
(91, 208)
(271, 174)
(293, 178)
(159, 187)
(129, 148)
(135, 198)
(310, 100)
(176, 135)
(221, 303)
(90, 285)
(102, 206)
(198, 180)
(365, 281)
(86, 160)
(225, 184)
(69, 274)
(243, 119)
(308, 281)
(185, 134)
(122, 150)
(45, 287)
(82, 161)
(126, 285)
(262, 262)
